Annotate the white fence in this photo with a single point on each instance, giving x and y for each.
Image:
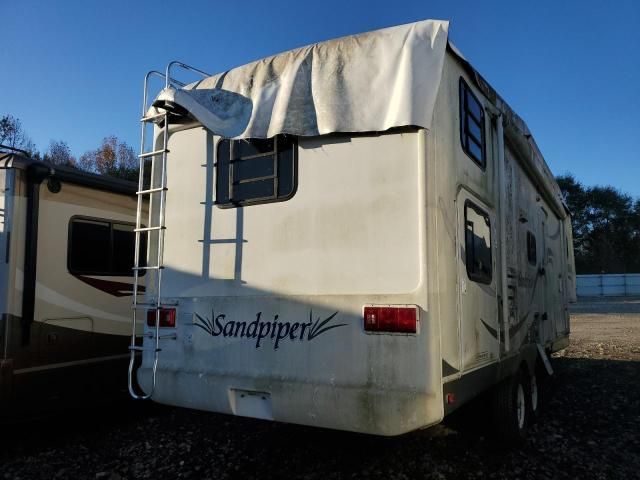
(608, 285)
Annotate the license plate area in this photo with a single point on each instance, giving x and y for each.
(251, 403)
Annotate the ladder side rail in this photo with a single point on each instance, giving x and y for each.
(134, 320)
(160, 246)
(140, 187)
(167, 76)
(136, 277)
(160, 227)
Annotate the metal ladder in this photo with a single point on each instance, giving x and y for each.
(156, 303)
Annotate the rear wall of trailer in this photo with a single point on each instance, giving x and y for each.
(352, 226)
(354, 233)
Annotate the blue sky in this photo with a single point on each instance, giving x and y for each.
(73, 70)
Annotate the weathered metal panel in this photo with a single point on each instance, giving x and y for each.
(623, 284)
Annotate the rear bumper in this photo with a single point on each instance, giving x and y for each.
(364, 410)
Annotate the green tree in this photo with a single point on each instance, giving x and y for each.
(606, 227)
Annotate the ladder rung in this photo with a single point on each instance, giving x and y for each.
(148, 229)
(170, 336)
(152, 267)
(154, 305)
(151, 190)
(143, 305)
(161, 337)
(155, 152)
(150, 118)
(142, 349)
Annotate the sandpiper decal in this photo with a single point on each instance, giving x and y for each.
(259, 329)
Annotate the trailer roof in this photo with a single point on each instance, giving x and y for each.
(369, 82)
(361, 83)
(42, 170)
(521, 139)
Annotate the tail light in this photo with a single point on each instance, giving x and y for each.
(393, 319)
(167, 317)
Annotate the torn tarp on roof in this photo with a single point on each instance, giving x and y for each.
(368, 82)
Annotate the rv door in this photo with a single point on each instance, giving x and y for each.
(478, 307)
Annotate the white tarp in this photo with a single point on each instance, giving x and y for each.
(361, 83)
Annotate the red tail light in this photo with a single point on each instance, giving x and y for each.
(400, 319)
(167, 317)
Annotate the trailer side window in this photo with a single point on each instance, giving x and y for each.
(102, 247)
(531, 248)
(477, 243)
(255, 171)
(472, 133)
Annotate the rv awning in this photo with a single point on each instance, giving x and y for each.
(361, 83)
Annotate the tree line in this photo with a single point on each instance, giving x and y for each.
(606, 227)
(112, 157)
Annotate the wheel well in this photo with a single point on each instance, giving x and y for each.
(525, 369)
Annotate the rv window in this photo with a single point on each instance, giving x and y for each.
(477, 243)
(531, 248)
(101, 247)
(124, 240)
(255, 171)
(472, 125)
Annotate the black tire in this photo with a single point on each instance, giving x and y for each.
(534, 397)
(543, 381)
(510, 416)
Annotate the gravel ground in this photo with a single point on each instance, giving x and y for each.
(590, 430)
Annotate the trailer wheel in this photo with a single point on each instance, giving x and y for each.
(542, 383)
(533, 397)
(510, 409)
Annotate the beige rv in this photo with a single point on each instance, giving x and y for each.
(66, 243)
(359, 234)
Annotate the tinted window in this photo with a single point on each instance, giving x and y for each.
(477, 243)
(472, 135)
(98, 247)
(91, 246)
(255, 171)
(254, 146)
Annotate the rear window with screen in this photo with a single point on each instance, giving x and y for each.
(472, 133)
(102, 247)
(255, 171)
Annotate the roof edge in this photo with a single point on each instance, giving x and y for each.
(517, 131)
(41, 170)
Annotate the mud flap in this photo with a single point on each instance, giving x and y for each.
(6, 380)
(545, 359)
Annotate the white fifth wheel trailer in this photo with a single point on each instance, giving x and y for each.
(358, 234)
(66, 279)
